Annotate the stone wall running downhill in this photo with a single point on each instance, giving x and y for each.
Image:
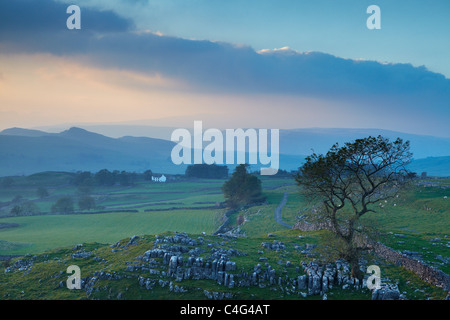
(425, 272)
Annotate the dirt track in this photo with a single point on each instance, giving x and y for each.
(278, 211)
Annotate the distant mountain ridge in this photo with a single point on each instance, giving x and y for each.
(26, 151)
(23, 132)
(433, 166)
(292, 141)
(304, 141)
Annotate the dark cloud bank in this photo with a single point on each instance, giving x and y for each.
(108, 40)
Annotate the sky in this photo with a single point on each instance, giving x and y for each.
(264, 64)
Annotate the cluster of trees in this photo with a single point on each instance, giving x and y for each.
(207, 171)
(283, 173)
(24, 209)
(66, 204)
(280, 174)
(105, 177)
(85, 182)
(63, 205)
(242, 188)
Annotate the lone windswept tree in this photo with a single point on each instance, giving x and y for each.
(348, 182)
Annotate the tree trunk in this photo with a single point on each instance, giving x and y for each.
(354, 264)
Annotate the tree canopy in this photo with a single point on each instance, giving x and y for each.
(207, 171)
(242, 188)
(350, 180)
(63, 205)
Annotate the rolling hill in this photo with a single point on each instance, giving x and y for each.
(25, 151)
(28, 151)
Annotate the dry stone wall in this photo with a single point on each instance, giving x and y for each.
(425, 272)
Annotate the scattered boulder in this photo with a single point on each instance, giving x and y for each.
(275, 245)
(81, 255)
(218, 295)
(77, 247)
(386, 292)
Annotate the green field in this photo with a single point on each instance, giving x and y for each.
(39, 233)
(144, 195)
(159, 207)
(418, 220)
(421, 213)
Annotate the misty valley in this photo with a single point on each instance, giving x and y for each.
(123, 230)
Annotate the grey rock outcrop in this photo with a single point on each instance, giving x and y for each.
(275, 245)
(386, 292)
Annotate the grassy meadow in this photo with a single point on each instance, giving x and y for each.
(420, 213)
(184, 206)
(417, 221)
